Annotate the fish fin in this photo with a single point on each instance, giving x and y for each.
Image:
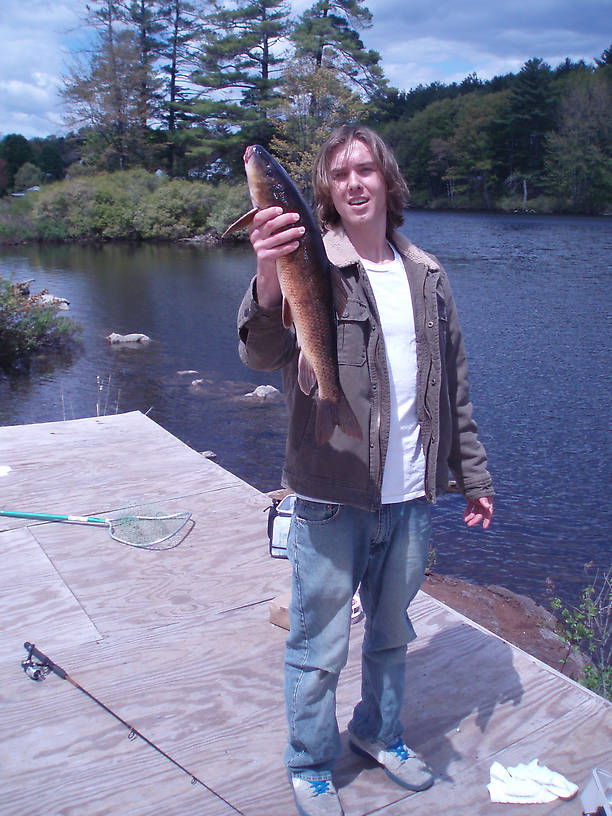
(325, 421)
(335, 414)
(347, 421)
(307, 379)
(286, 314)
(340, 290)
(242, 222)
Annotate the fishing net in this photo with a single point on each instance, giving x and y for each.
(153, 531)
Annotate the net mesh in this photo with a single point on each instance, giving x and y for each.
(154, 531)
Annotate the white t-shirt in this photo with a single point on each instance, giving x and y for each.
(404, 474)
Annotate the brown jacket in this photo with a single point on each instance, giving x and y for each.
(346, 470)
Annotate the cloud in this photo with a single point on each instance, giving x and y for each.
(32, 61)
(445, 41)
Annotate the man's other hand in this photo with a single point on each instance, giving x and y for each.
(479, 510)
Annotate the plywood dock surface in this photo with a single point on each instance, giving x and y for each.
(178, 643)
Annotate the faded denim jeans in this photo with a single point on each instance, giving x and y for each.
(334, 548)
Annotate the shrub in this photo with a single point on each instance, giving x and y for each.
(588, 628)
(28, 326)
(228, 202)
(60, 210)
(177, 209)
(16, 220)
(123, 205)
(27, 176)
(98, 207)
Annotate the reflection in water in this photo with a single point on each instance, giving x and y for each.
(532, 311)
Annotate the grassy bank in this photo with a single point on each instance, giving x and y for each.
(132, 205)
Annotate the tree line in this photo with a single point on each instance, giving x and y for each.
(181, 86)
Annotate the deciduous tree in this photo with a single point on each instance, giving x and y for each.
(315, 101)
(579, 152)
(15, 150)
(103, 95)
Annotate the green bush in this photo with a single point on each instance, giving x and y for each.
(178, 209)
(112, 213)
(60, 210)
(228, 203)
(28, 326)
(131, 204)
(16, 219)
(587, 628)
(27, 176)
(99, 207)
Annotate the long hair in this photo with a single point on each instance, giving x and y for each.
(397, 189)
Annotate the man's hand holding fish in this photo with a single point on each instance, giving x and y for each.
(273, 234)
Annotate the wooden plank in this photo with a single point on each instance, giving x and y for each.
(86, 466)
(188, 655)
(35, 602)
(561, 747)
(211, 698)
(60, 753)
(223, 563)
(473, 698)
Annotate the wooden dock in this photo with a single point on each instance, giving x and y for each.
(178, 643)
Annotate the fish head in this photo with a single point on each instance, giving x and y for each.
(269, 183)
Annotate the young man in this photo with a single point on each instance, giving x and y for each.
(363, 512)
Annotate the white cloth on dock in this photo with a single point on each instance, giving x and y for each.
(528, 784)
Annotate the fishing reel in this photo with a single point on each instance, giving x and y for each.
(34, 669)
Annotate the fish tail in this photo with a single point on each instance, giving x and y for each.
(335, 414)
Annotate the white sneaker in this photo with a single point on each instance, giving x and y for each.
(400, 762)
(356, 608)
(316, 797)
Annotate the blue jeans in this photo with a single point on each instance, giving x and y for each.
(334, 548)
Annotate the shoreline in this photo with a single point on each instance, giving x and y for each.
(516, 618)
(210, 237)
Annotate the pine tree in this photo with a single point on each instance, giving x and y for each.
(181, 34)
(521, 135)
(327, 33)
(239, 74)
(605, 59)
(143, 17)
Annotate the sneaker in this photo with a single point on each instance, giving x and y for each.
(399, 761)
(356, 608)
(316, 797)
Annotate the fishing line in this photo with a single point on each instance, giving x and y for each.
(37, 666)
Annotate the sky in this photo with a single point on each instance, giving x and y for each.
(424, 42)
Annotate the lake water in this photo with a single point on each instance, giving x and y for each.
(533, 294)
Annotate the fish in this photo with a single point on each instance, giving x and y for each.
(312, 294)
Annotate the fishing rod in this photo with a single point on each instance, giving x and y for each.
(37, 666)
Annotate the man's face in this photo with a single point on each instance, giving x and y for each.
(358, 189)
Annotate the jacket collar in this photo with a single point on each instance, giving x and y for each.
(342, 253)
